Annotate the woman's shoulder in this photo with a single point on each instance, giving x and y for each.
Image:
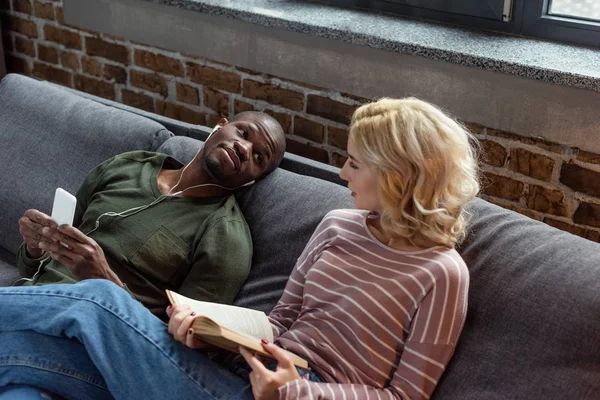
(349, 219)
(451, 264)
(349, 214)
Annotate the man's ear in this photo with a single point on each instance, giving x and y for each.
(223, 121)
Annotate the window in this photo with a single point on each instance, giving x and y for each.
(575, 21)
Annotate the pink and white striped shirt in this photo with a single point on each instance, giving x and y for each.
(375, 322)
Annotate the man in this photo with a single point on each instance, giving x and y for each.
(148, 223)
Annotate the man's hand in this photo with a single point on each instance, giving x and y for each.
(31, 225)
(82, 255)
(264, 381)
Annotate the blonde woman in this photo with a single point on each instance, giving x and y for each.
(375, 303)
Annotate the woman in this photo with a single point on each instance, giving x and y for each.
(375, 303)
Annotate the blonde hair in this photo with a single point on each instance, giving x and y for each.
(426, 164)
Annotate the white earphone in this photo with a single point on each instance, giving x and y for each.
(135, 210)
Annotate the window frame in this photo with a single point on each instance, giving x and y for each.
(538, 23)
(528, 18)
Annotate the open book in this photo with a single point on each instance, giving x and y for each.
(228, 327)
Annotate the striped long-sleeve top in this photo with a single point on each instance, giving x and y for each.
(375, 322)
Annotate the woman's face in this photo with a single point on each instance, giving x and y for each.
(362, 181)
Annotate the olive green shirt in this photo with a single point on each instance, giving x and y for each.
(199, 247)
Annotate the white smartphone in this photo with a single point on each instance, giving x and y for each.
(63, 209)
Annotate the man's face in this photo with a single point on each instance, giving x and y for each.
(241, 151)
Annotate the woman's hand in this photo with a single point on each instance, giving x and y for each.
(264, 381)
(180, 324)
(82, 255)
(30, 228)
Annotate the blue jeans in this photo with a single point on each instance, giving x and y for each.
(91, 340)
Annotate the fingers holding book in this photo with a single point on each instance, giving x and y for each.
(180, 326)
(264, 381)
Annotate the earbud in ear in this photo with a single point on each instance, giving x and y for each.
(215, 129)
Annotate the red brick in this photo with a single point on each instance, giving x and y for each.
(338, 160)
(23, 6)
(20, 25)
(541, 143)
(150, 82)
(548, 201)
(337, 137)
(95, 86)
(158, 63)
(513, 207)
(566, 226)
(360, 99)
(213, 119)
(593, 235)
(24, 46)
(241, 106)
(216, 101)
(67, 38)
(114, 73)
(70, 60)
(537, 166)
(580, 179)
(588, 214)
(330, 109)
(297, 83)
(91, 66)
(494, 153)
(214, 78)
(47, 53)
(52, 74)
(17, 65)
(251, 71)
(187, 94)
(586, 156)
(285, 120)
(60, 16)
(44, 10)
(309, 129)
(138, 100)
(306, 150)
(502, 187)
(180, 113)
(111, 51)
(7, 43)
(274, 95)
(473, 127)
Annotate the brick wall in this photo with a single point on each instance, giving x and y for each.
(546, 181)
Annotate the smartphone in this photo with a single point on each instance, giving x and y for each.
(63, 209)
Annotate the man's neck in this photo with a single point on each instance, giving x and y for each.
(168, 179)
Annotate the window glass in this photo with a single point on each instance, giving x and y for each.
(580, 9)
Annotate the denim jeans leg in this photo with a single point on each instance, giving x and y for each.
(60, 365)
(129, 346)
(20, 392)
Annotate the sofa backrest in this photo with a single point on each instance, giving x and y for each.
(533, 320)
(52, 138)
(282, 211)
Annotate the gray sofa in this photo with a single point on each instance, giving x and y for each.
(533, 325)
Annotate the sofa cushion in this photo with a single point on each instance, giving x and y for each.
(51, 138)
(282, 211)
(533, 322)
(8, 270)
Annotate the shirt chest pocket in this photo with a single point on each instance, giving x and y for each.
(163, 256)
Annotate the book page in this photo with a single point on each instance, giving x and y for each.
(248, 321)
